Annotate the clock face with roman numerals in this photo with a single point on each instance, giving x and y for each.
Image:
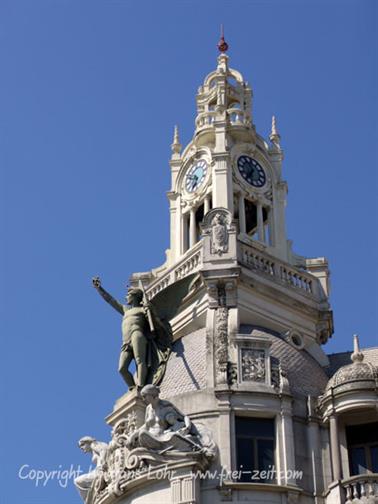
(195, 176)
(251, 171)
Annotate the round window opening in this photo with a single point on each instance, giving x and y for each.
(297, 340)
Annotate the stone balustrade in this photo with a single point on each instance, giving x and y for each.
(235, 116)
(188, 266)
(190, 263)
(280, 271)
(159, 286)
(296, 279)
(205, 119)
(361, 489)
(251, 257)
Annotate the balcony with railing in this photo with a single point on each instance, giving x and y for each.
(205, 120)
(361, 489)
(250, 256)
(270, 267)
(235, 117)
(190, 263)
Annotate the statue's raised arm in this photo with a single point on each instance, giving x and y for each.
(108, 298)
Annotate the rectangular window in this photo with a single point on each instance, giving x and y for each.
(255, 449)
(362, 443)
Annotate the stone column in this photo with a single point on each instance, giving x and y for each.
(206, 204)
(222, 183)
(271, 227)
(184, 233)
(242, 225)
(314, 444)
(192, 228)
(335, 447)
(279, 198)
(260, 222)
(224, 432)
(288, 440)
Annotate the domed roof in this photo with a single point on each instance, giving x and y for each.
(187, 366)
(357, 371)
(306, 376)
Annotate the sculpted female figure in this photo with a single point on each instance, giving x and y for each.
(99, 450)
(165, 427)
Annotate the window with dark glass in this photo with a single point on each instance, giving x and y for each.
(255, 449)
(362, 441)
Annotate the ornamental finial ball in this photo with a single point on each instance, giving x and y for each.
(222, 44)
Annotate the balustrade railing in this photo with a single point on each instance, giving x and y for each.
(182, 270)
(235, 116)
(251, 257)
(286, 275)
(189, 264)
(296, 279)
(158, 287)
(257, 261)
(361, 489)
(205, 119)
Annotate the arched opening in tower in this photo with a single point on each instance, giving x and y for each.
(251, 222)
(200, 212)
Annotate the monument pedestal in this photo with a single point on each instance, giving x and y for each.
(129, 404)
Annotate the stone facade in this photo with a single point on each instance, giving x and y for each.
(247, 339)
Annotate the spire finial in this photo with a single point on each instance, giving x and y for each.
(222, 44)
(274, 126)
(274, 135)
(176, 146)
(357, 355)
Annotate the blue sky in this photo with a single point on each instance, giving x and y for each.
(90, 91)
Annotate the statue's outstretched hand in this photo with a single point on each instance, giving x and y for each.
(96, 282)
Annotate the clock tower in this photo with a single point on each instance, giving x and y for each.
(234, 322)
(228, 164)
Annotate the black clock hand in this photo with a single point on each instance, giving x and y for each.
(195, 181)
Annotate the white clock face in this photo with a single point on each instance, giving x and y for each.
(195, 176)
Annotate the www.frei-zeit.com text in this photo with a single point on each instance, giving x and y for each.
(42, 477)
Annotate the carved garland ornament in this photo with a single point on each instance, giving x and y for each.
(221, 330)
(253, 365)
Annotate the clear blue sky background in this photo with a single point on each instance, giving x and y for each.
(90, 91)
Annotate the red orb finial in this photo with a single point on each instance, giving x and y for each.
(222, 44)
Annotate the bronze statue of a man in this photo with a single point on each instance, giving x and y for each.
(145, 338)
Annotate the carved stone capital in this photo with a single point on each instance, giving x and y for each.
(221, 287)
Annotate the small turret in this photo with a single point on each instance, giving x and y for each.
(176, 146)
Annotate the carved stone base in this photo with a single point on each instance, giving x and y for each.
(179, 475)
(129, 403)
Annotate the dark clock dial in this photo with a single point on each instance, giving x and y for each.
(251, 171)
(196, 176)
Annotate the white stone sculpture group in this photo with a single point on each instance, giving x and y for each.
(167, 436)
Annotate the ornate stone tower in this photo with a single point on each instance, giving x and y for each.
(246, 362)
